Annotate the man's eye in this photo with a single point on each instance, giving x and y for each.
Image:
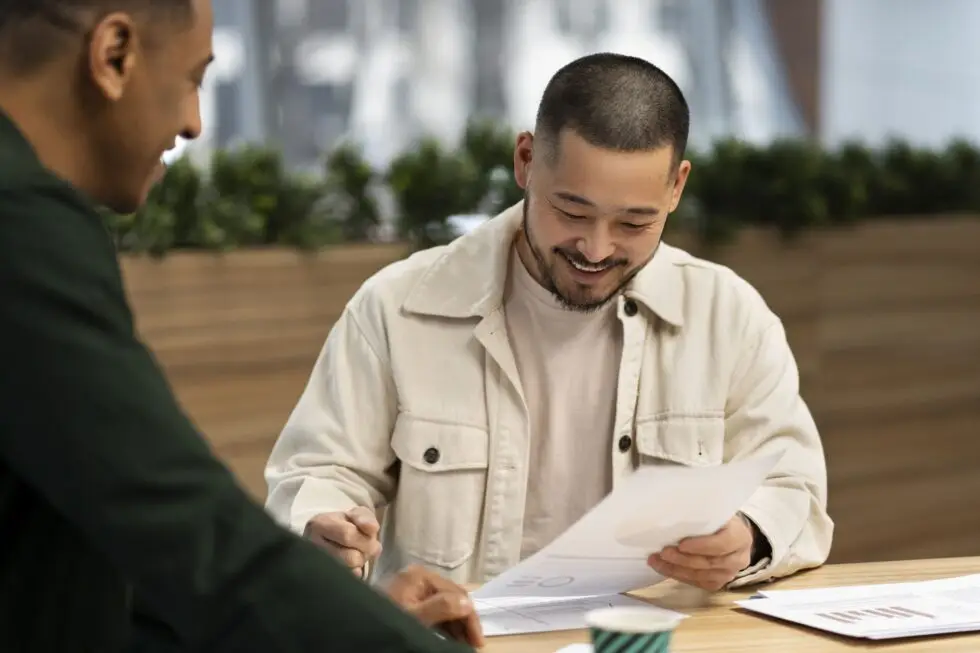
(572, 216)
(633, 226)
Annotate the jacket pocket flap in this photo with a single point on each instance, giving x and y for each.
(684, 439)
(433, 446)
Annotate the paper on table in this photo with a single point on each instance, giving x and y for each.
(877, 612)
(515, 616)
(605, 552)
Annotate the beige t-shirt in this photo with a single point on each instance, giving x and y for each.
(568, 363)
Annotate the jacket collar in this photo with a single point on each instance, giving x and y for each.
(468, 278)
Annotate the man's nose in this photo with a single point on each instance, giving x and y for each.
(192, 122)
(597, 246)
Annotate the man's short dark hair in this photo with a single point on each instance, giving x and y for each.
(32, 31)
(617, 102)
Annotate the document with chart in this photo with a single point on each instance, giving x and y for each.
(887, 611)
(605, 553)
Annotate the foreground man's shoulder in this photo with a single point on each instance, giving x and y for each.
(45, 222)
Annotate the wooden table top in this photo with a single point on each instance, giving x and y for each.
(716, 625)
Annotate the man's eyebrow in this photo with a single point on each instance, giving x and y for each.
(578, 199)
(574, 199)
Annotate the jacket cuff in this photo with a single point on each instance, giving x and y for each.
(315, 497)
(767, 514)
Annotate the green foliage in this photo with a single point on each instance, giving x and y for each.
(430, 184)
(248, 198)
(490, 147)
(349, 183)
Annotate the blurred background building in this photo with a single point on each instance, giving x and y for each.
(307, 73)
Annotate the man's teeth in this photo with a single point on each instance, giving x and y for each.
(587, 268)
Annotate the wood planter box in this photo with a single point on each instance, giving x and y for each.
(884, 320)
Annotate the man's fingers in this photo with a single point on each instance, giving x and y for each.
(442, 607)
(454, 613)
(345, 534)
(468, 630)
(732, 561)
(721, 543)
(711, 580)
(351, 558)
(365, 521)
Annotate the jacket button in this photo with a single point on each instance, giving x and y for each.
(630, 308)
(625, 443)
(431, 455)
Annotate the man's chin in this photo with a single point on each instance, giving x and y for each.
(577, 300)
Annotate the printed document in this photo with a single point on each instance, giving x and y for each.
(888, 611)
(605, 553)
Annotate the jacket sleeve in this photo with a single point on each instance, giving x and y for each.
(334, 452)
(766, 414)
(90, 423)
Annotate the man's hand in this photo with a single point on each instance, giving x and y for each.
(351, 536)
(711, 561)
(435, 601)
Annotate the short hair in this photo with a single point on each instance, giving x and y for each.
(617, 102)
(32, 31)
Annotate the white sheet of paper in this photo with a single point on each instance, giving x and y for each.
(576, 648)
(605, 552)
(878, 612)
(513, 617)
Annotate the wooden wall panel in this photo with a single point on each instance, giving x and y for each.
(884, 320)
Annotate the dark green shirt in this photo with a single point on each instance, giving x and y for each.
(106, 489)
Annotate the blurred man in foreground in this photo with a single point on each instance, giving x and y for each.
(107, 493)
(493, 390)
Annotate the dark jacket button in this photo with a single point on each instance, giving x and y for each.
(630, 308)
(625, 443)
(431, 455)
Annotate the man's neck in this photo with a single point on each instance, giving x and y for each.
(528, 259)
(44, 114)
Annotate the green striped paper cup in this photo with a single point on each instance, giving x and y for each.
(630, 630)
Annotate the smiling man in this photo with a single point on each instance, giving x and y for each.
(118, 527)
(490, 392)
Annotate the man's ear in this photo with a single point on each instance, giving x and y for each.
(113, 54)
(523, 154)
(683, 171)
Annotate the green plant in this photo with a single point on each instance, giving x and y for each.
(247, 197)
(243, 198)
(491, 149)
(431, 184)
(349, 181)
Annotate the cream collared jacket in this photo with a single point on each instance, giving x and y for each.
(415, 406)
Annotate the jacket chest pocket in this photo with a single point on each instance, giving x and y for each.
(681, 440)
(441, 489)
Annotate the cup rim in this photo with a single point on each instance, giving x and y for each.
(631, 619)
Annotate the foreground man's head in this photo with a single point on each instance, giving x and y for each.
(102, 88)
(601, 173)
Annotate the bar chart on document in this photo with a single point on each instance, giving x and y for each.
(886, 611)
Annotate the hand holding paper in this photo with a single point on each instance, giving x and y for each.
(709, 561)
(607, 552)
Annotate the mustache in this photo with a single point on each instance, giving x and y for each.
(576, 257)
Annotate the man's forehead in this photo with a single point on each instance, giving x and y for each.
(589, 165)
(188, 42)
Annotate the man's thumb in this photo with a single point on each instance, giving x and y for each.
(443, 607)
(365, 520)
